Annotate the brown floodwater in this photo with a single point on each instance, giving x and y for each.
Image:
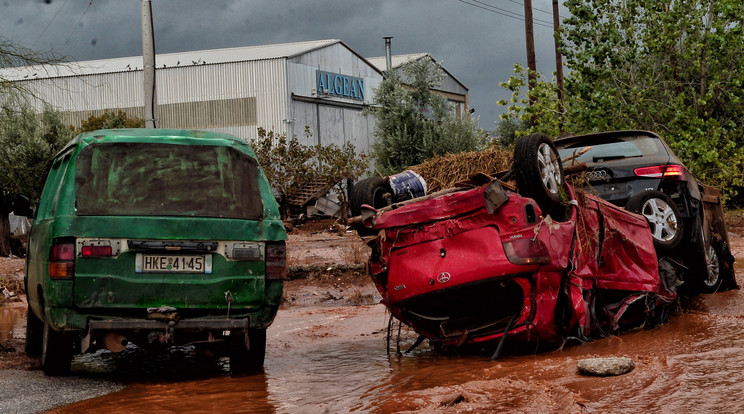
(324, 359)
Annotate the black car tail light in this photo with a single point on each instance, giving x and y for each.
(62, 261)
(669, 172)
(276, 260)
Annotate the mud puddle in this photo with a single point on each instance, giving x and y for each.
(333, 359)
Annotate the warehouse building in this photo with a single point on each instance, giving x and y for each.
(321, 85)
(284, 87)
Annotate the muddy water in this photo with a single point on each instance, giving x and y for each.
(11, 323)
(334, 360)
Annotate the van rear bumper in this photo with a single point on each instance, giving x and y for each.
(188, 324)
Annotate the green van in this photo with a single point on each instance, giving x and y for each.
(156, 237)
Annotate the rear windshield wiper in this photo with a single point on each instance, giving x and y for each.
(613, 157)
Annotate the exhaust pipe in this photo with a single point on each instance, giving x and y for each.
(115, 342)
(388, 54)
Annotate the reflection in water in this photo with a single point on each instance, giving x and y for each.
(12, 323)
(693, 363)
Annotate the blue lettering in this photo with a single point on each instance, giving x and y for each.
(337, 85)
(321, 83)
(360, 82)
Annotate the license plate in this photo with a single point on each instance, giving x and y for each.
(155, 263)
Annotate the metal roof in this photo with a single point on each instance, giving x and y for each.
(380, 62)
(166, 60)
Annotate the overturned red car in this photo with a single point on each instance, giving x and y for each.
(546, 262)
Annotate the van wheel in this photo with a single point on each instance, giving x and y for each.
(249, 351)
(56, 352)
(374, 191)
(538, 170)
(34, 334)
(662, 215)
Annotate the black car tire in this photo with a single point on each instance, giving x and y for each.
(247, 353)
(662, 215)
(34, 334)
(56, 352)
(373, 191)
(712, 278)
(538, 170)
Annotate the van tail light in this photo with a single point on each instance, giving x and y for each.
(669, 172)
(62, 261)
(526, 252)
(276, 260)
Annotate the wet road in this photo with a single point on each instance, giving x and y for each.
(334, 360)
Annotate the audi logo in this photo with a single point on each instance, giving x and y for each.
(597, 175)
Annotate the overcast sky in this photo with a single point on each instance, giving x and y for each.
(478, 41)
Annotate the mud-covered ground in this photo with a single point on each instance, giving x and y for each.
(326, 353)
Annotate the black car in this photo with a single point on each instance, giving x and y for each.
(637, 170)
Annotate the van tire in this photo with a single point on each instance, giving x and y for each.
(249, 351)
(56, 352)
(34, 334)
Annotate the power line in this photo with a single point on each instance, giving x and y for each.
(550, 13)
(78, 22)
(50, 23)
(504, 12)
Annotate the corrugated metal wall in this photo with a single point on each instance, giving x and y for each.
(232, 97)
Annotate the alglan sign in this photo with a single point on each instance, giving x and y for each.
(340, 85)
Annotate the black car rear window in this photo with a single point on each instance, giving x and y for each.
(614, 148)
(154, 179)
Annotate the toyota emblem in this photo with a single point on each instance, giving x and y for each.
(443, 277)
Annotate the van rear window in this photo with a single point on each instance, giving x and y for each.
(143, 179)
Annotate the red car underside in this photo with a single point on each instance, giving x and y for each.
(458, 274)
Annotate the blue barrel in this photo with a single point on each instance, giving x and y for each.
(408, 182)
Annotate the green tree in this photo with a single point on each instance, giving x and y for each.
(110, 120)
(414, 123)
(28, 142)
(676, 68)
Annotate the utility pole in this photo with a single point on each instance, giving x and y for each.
(531, 62)
(148, 58)
(558, 65)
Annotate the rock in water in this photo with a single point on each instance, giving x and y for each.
(604, 367)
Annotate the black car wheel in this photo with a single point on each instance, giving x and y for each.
(711, 280)
(538, 170)
(373, 191)
(56, 352)
(662, 215)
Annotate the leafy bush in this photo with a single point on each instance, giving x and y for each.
(288, 165)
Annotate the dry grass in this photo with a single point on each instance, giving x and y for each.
(355, 253)
(443, 172)
(357, 298)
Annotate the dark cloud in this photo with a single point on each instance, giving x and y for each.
(477, 46)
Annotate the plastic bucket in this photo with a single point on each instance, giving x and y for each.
(409, 183)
